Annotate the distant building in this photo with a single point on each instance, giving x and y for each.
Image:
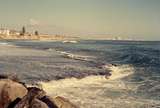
(14, 32)
(4, 32)
(117, 38)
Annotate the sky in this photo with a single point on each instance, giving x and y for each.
(136, 19)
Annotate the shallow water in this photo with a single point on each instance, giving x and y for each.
(134, 83)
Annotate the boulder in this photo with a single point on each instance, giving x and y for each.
(36, 103)
(49, 101)
(62, 102)
(10, 91)
(14, 94)
(36, 98)
(31, 99)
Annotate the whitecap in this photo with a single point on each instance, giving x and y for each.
(76, 56)
(3, 43)
(99, 92)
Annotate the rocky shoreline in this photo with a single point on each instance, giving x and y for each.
(15, 94)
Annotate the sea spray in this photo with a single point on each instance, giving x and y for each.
(97, 91)
(120, 71)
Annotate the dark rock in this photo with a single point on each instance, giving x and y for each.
(14, 94)
(36, 103)
(49, 101)
(31, 99)
(13, 104)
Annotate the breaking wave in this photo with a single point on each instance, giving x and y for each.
(76, 56)
(99, 92)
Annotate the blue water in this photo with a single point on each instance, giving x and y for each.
(139, 54)
(143, 56)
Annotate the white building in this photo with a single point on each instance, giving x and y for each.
(4, 32)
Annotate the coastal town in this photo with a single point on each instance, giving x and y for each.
(23, 34)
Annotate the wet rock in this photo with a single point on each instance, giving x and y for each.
(13, 104)
(49, 101)
(30, 100)
(62, 102)
(14, 94)
(36, 103)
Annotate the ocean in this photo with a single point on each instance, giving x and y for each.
(90, 73)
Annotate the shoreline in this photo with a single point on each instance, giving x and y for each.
(37, 37)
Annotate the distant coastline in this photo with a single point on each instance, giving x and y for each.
(36, 37)
(23, 34)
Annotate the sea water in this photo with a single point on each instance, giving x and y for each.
(78, 71)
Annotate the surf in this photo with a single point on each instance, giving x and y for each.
(87, 90)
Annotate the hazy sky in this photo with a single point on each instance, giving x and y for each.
(93, 18)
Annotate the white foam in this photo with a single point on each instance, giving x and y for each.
(72, 41)
(119, 72)
(97, 91)
(76, 56)
(3, 43)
